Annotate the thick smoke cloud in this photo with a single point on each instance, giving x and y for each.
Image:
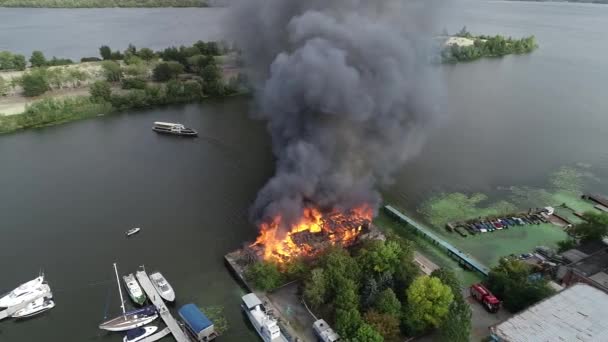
(347, 91)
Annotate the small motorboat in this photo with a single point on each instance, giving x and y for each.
(36, 307)
(174, 129)
(139, 334)
(134, 289)
(133, 231)
(162, 286)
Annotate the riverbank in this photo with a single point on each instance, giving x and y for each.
(465, 47)
(102, 3)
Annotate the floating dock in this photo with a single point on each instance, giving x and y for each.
(165, 314)
(452, 251)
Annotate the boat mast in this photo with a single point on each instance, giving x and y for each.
(122, 301)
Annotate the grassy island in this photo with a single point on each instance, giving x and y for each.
(135, 78)
(464, 47)
(101, 3)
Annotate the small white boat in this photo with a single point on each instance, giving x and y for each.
(22, 293)
(162, 286)
(133, 231)
(135, 291)
(139, 334)
(173, 128)
(38, 306)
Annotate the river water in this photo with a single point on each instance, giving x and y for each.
(68, 193)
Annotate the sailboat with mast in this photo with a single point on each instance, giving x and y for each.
(129, 320)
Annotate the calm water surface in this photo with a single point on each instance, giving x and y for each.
(68, 193)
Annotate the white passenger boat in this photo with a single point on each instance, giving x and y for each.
(22, 293)
(135, 291)
(266, 326)
(129, 320)
(173, 128)
(36, 307)
(162, 286)
(133, 231)
(139, 334)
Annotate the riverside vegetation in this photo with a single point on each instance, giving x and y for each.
(374, 292)
(130, 79)
(102, 3)
(486, 46)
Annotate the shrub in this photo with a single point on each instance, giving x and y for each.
(90, 59)
(264, 275)
(100, 91)
(133, 83)
(112, 71)
(167, 70)
(35, 83)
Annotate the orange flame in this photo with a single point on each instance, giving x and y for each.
(314, 231)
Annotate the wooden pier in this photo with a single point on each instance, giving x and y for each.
(163, 311)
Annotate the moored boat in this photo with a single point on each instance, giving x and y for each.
(133, 231)
(36, 307)
(129, 320)
(173, 128)
(162, 286)
(134, 289)
(265, 325)
(22, 293)
(139, 334)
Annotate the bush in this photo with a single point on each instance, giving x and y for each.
(9, 61)
(146, 54)
(133, 83)
(165, 71)
(100, 91)
(4, 86)
(264, 275)
(90, 59)
(35, 83)
(37, 59)
(59, 61)
(112, 71)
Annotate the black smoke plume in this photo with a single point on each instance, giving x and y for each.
(348, 92)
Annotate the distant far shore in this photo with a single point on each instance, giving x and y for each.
(603, 2)
(102, 3)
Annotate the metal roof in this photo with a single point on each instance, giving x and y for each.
(251, 300)
(577, 313)
(194, 318)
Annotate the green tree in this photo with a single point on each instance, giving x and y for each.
(37, 59)
(315, 288)
(348, 322)
(385, 324)
(380, 256)
(346, 297)
(105, 52)
(387, 303)
(565, 245)
(146, 54)
(595, 227)
(112, 71)
(457, 324)
(19, 62)
(366, 333)
(167, 70)
(35, 83)
(428, 303)
(100, 91)
(211, 73)
(264, 275)
(511, 281)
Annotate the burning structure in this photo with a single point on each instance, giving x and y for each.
(314, 232)
(348, 94)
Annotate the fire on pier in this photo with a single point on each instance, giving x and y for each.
(315, 231)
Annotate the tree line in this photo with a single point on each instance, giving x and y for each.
(375, 292)
(102, 3)
(487, 46)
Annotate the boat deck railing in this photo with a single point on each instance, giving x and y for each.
(163, 311)
(451, 250)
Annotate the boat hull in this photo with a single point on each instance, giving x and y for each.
(148, 332)
(191, 133)
(138, 299)
(26, 314)
(168, 294)
(122, 324)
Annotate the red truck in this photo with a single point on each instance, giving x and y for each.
(485, 297)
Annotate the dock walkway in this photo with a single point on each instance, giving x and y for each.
(451, 250)
(164, 312)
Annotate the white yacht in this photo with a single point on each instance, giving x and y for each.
(173, 128)
(21, 293)
(266, 326)
(38, 306)
(162, 286)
